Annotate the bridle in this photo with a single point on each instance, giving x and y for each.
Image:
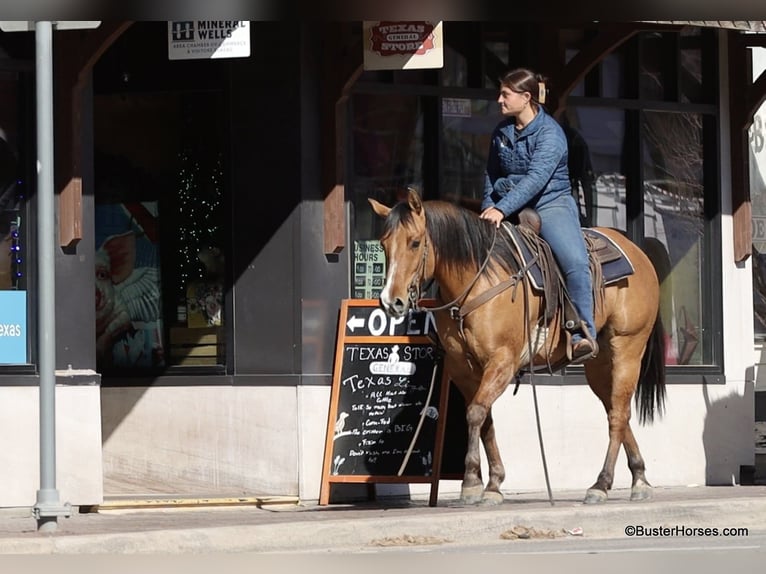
(413, 290)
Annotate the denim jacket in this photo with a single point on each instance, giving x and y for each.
(527, 167)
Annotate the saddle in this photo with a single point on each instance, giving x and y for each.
(608, 264)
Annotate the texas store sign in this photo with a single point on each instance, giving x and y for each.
(397, 45)
(13, 327)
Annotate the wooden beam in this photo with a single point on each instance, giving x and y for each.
(609, 38)
(76, 56)
(340, 69)
(738, 120)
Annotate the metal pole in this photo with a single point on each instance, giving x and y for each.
(48, 507)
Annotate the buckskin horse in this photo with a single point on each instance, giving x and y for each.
(490, 315)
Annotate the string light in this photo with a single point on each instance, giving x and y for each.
(199, 202)
(16, 259)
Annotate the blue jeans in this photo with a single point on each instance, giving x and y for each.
(561, 229)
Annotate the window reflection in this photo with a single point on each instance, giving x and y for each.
(12, 255)
(467, 130)
(757, 169)
(673, 205)
(14, 236)
(160, 242)
(596, 140)
(387, 159)
(674, 217)
(388, 154)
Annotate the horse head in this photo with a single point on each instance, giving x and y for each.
(405, 243)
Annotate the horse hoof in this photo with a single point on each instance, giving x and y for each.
(595, 496)
(640, 492)
(471, 494)
(491, 498)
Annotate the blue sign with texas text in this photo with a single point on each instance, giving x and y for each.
(13, 327)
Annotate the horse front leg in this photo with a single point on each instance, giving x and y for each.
(473, 490)
(640, 488)
(481, 428)
(472, 487)
(492, 494)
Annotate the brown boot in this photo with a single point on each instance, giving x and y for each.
(583, 350)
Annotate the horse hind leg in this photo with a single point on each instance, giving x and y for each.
(640, 488)
(613, 377)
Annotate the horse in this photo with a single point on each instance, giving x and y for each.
(485, 349)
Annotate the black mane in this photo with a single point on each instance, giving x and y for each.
(459, 237)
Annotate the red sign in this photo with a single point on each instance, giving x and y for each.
(398, 38)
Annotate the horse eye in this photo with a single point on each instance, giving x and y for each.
(416, 243)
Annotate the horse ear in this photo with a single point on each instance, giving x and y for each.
(379, 208)
(414, 200)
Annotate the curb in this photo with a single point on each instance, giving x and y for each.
(461, 526)
(191, 502)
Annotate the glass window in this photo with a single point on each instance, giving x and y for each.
(674, 218)
(656, 60)
(612, 75)
(596, 138)
(388, 156)
(467, 127)
(160, 274)
(757, 165)
(690, 69)
(632, 168)
(455, 71)
(14, 232)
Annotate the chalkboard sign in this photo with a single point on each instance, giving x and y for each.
(388, 402)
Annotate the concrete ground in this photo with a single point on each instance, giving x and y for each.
(281, 525)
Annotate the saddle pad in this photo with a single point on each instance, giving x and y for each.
(617, 268)
(612, 271)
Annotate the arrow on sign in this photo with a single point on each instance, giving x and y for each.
(355, 322)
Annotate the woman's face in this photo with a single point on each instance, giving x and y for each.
(512, 103)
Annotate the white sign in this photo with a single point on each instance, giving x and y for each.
(394, 45)
(369, 269)
(207, 39)
(456, 107)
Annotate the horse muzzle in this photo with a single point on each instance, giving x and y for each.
(395, 307)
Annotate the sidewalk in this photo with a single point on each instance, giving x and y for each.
(295, 528)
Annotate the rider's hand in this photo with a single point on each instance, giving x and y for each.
(494, 215)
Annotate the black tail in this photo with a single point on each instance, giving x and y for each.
(650, 393)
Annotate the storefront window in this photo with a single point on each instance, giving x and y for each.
(467, 127)
(757, 163)
(14, 236)
(632, 167)
(160, 275)
(596, 138)
(388, 158)
(674, 220)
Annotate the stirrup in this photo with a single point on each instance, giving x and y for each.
(583, 350)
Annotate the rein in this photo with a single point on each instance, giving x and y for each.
(458, 307)
(454, 305)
